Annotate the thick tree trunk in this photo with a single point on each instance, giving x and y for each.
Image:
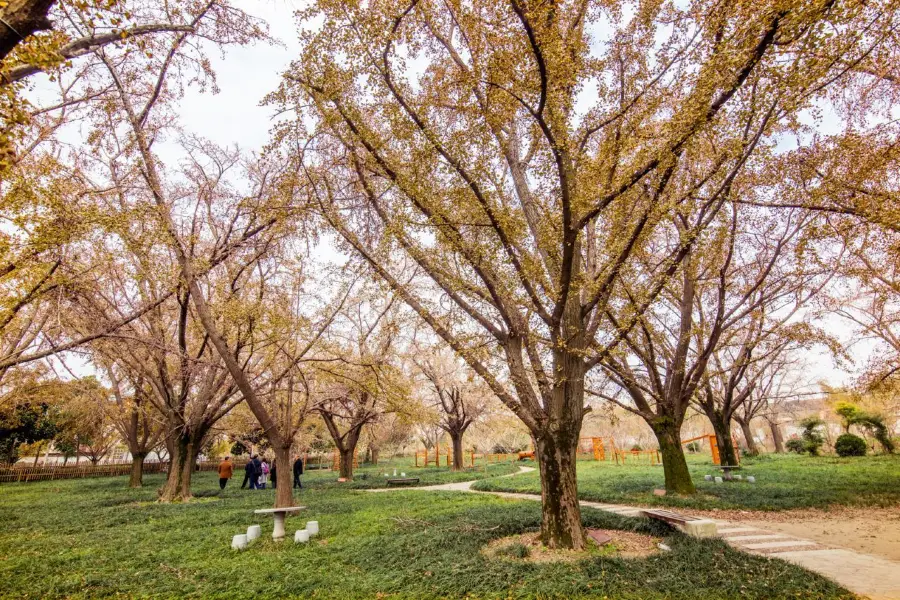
(777, 437)
(678, 478)
(752, 448)
(137, 469)
(345, 458)
(456, 439)
(177, 488)
(722, 427)
(560, 512)
(284, 494)
(374, 456)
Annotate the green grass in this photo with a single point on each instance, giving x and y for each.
(782, 482)
(96, 538)
(368, 477)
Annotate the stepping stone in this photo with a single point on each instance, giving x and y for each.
(728, 530)
(747, 538)
(861, 573)
(602, 538)
(785, 544)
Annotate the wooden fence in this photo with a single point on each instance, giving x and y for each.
(24, 474)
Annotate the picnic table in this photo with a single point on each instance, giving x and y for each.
(279, 514)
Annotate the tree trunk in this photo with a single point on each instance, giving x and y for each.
(284, 494)
(456, 440)
(678, 478)
(752, 448)
(137, 469)
(777, 438)
(560, 511)
(21, 19)
(721, 425)
(65, 459)
(345, 466)
(183, 455)
(374, 456)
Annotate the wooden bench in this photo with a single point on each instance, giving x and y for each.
(404, 481)
(279, 514)
(694, 526)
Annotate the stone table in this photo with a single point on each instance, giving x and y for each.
(279, 514)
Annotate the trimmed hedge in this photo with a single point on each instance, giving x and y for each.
(850, 445)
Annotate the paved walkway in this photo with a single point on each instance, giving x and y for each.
(872, 576)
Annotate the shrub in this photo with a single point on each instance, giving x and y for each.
(812, 439)
(875, 425)
(850, 445)
(637, 448)
(693, 447)
(795, 444)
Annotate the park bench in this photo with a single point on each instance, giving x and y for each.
(403, 481)
(693, 526)
(279, 514)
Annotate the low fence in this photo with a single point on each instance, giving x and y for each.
(24, 474)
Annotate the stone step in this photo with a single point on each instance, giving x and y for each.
(727, 530)
(782, 544)
(761, 536)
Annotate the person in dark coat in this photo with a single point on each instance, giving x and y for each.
(257, 471)
(249, 474)
(298, 471)
(273, 474)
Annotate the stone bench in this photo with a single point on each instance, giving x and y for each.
(693, 526)
(404, 481)
(279, 514)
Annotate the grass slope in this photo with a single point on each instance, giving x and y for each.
(782, 482)
(96, 538)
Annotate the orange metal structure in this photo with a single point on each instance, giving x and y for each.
(713, 447)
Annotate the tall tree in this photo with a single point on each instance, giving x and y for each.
(459, 401)
(361, 383)
(457, 135)
(138, 425)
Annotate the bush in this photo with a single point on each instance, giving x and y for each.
(636, 448)
(850, 445)
(693, 447)
(811, 437)
(795, 444)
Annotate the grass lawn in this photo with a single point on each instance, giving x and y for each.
(94, 538)
(782, 482)
(368, 477)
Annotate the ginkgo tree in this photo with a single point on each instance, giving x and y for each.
(528, 156)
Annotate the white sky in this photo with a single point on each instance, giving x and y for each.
(235, 116)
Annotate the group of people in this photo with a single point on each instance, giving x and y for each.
(257, 473)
